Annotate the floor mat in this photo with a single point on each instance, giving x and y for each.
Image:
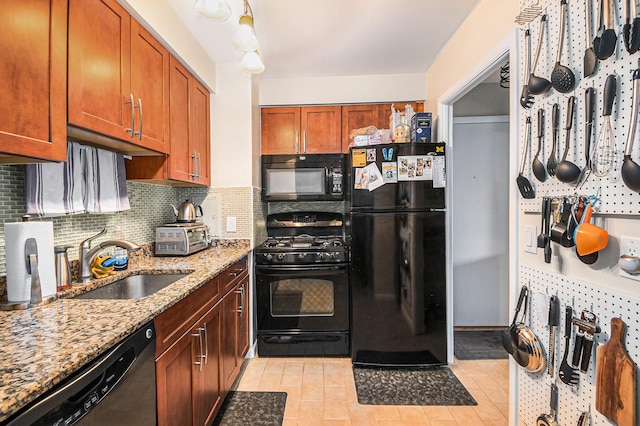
(433, 386)
(482, 344)
(252, 408)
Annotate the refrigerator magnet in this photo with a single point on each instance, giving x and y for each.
(359, 157)
(361, 180)
(371, 155)
(390, 172)
(375, 177)
(415, 167)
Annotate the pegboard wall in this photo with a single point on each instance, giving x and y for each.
(534, 388)
(616, 197)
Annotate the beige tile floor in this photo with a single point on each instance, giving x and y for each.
(321, 391)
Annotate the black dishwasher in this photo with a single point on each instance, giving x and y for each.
(118, 388)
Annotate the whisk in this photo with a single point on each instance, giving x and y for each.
(604, 150)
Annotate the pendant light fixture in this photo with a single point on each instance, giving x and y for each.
(251, 62)
(245, 38)
(214, 10)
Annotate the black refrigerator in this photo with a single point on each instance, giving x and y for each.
(396, 228)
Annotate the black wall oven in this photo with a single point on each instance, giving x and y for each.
(302, 290)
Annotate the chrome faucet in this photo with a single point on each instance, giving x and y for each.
(87, 254)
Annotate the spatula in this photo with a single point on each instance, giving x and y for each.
(554, 321)
(526, 190)
(590, 60)
(568, 375)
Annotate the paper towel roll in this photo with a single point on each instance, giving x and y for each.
(18, 280)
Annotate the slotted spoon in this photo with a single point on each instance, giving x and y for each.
(526, 190)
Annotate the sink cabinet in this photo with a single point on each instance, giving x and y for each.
(33, 41)
(118, 76)
(195, 340)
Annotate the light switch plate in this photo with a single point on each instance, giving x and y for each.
(531, 239)
(231, 224)
(630, 246)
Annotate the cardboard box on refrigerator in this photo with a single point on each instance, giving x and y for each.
(421, 127)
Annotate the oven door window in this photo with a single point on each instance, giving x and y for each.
(305, 181)
(299, 297)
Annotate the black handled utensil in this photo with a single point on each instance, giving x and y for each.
(605, 45)
(589, 105)
(539, 171)
(631, 27)
(631, 170)
(590, 61)
(568, 375)
(526, 100)
(554, 321)
(542, 238)
(562, 78)
(538, 85)
(526, 190)
(566, 171)
(552, 162)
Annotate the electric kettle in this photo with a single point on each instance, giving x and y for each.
(187, 212)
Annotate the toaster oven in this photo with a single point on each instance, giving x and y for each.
(181, 239)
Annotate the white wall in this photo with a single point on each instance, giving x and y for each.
(233, 128)
(342, 90)
(480, 221)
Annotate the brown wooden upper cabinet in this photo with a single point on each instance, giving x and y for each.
(188, 161)
(363, 115)
(118, 75)
(301, 130)
(33, 39)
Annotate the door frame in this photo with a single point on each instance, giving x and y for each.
(506, 50)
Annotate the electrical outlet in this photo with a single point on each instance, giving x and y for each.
(629, 246)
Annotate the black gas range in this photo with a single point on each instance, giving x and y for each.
(302, 286)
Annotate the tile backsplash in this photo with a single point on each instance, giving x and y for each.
(149, 209)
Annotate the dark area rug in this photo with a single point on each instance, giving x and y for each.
(252, 408)
(433, 386)
(482, 344)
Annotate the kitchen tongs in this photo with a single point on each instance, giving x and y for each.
(631, 28)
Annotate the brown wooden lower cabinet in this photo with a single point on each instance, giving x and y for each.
(196, 367)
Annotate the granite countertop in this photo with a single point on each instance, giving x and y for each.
(41, 346)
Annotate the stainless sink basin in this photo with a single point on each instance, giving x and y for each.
(133, 287)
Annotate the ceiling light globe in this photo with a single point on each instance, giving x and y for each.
(245, 38)
(252, 63)
(214, 10)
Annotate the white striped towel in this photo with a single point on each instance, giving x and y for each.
(54, 189)
(105, 182)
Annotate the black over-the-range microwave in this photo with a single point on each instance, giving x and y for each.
(306, 177)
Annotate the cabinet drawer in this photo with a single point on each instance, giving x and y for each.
(230, 276)
(175, 321)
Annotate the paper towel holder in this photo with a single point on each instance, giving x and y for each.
(31, 258)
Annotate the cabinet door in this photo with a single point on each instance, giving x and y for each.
(99, 67)
(200, 140)
(150, 89)
(355, 117)
(243, 320)
(174, 383)
(229, 343)
(281, 130)
(208, 397)
(320, 129)
(33, 41)
(181, 163)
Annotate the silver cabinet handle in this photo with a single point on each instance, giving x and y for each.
(206, 344)
(304, 141)
(133, 107)
(198, 172)
(201, 356)
(194, 156)
(237, 272)
(297, 143)
(240, 291)
(139, 133)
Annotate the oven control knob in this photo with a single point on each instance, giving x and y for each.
(280, 256)
(320, 255)
(268, 256)
(301, 255)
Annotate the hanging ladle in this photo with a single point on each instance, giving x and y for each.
(562, 78)
(538, 85)
(631, 170)
(538, 168)
(566, 171)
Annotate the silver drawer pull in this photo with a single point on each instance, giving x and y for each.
(201, 356)
(237, 272)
